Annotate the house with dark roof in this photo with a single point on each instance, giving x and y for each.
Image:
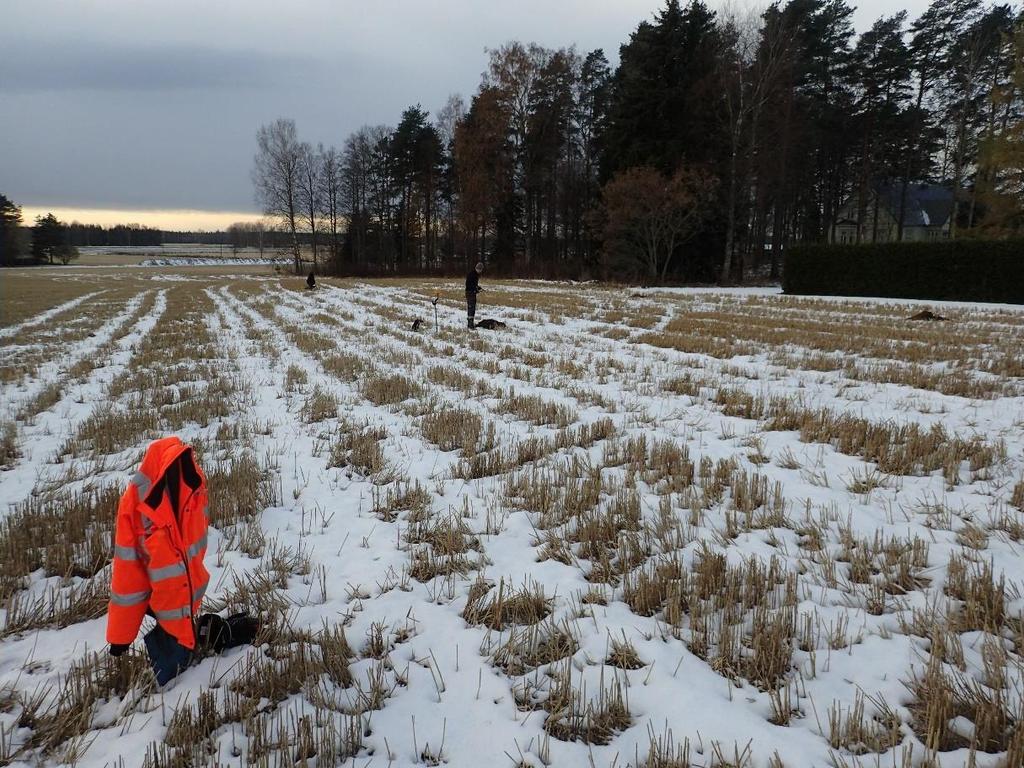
(926, 217)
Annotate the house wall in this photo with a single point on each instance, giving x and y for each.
(845, 233)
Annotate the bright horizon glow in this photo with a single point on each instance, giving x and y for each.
(167, 219)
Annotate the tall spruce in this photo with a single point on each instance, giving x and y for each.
(668, 110)
(666, 105)
(999, 203)
(10, 223)
(881, 66)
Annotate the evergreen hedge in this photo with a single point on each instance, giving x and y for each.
(953, 270)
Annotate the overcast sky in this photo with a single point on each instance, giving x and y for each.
(135, 105)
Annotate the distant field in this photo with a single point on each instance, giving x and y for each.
(107, 256)
(637, 528)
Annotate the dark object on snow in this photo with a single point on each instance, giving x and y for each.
(216, 634)
(490, 324)
(926, 314)
(167, 656)
(472, 289)
(311, 281)
(473, 280)
(416, 324)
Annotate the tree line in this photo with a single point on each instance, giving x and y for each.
(50, 240)
(718, 140)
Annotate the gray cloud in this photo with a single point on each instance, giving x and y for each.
(161, 67)
(129, 104)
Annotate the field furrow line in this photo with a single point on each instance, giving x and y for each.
(41, 438)
(56, 370)
(42, 317)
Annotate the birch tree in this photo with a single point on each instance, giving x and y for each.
(275, 174)
(309, 192)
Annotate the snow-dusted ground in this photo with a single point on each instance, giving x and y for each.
(168, 250)
(40, 319)
(602, 355)
(179, 255)
(198, 261)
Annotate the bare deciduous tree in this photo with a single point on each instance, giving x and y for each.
(309, 192)
(448, 117)
(751, 64)
(276, 172)
(648, 216)
(331, 185)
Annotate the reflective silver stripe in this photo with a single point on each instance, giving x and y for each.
(132, 598)
(167, 572)
(199, 593)
(125, 553)
(147, 524)
(141, 482)
(175, 613)
(196, 548)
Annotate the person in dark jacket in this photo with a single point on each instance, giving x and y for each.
(310, 281)
(472, 289)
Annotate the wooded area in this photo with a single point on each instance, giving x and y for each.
(773, 121)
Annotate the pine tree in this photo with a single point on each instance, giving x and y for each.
(932, 37)
(881, 61)
(1002, 196)
(551, 157)
(592, 104)
(403, 149)
(666, 104)
(752, 66)
(50, 241)
(484, 159)
(10, 222)
(804, 174)
(979, 60)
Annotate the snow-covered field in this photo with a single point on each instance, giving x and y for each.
(635, 528)
(178, 255)
(169, 250)
(213, 261)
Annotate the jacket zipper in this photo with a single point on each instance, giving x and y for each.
(188, 576)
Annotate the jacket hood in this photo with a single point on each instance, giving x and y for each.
(160, 455)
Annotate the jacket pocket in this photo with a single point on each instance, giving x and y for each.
(168, 572)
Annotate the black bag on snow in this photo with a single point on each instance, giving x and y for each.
(216, 634)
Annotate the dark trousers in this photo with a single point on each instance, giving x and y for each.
(470, 306)
(167, 656)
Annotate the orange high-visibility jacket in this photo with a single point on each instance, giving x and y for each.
(159, 545)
